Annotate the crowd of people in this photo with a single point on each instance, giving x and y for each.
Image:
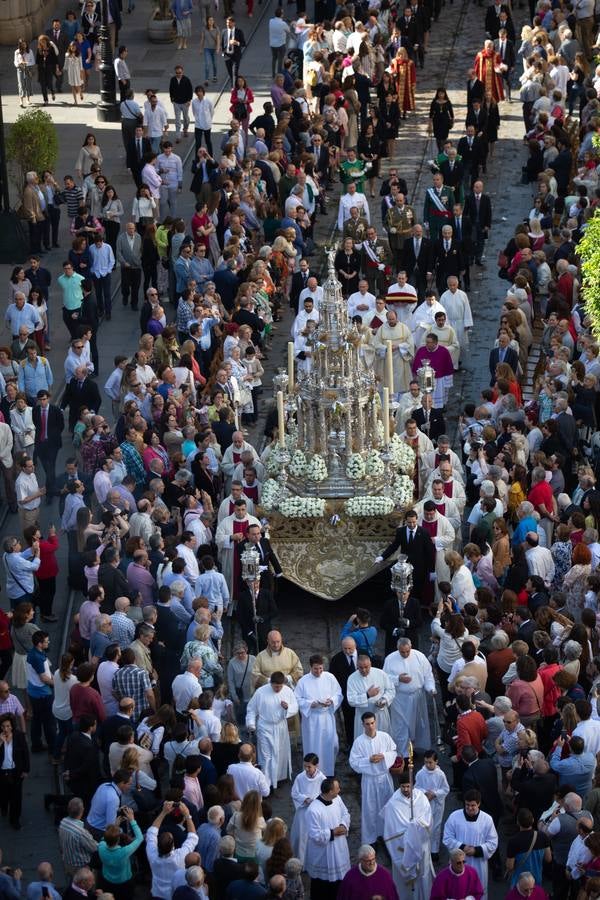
(169, 750)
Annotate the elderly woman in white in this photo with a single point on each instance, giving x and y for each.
(463, 586)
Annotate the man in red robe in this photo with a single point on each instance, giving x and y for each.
(488, 69)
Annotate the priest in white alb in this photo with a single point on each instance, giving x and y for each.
(446, 336)
(452, 484)
(327, 856)
(473, 831)
(267, 713)
(433, 458)
(412, 677)
(402, 297)
(371, 755)
(458, 309)
(406, 832)
(230, 532)
(444, 505)
(233, 456)
(441, 533)
(305, 789)
(403, 351)
(319, 696)
(361, 301)
(370, 690)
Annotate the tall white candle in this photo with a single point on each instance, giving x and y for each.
(389, 366)
(280, 419)
(290, 366)
(386, 416)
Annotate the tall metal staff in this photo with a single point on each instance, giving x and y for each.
(250, 560)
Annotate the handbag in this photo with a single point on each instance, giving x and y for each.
(502, 260)
(145, 799)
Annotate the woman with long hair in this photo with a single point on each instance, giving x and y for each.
(449, 629)
(21, 631)
(210, 45)
(441, 117)
(404, 71)
(111, 212)
(63, 679)
(14, 766)
(240, 102)
(274, 831)
(74, 71)
(46, 60)
(247, 826)
(24, 62)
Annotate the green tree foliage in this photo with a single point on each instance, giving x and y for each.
(31, 145)
(589, 250)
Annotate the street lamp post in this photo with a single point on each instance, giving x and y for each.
(108, 108)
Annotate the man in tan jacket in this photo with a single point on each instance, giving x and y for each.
(34, 211)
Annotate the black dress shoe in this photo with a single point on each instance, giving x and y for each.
(108, 317)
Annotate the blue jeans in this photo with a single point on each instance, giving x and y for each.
(209, 57)
(103, 298)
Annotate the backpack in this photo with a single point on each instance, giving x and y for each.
(313, 78)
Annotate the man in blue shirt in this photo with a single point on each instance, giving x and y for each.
(36, 890)
(106, 802)
(209, 837)
(34, 374)
(19, 566)
(526, 522)
(577, 769)
(103, 262)
(39, 691)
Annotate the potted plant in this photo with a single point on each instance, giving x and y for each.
(160, 26)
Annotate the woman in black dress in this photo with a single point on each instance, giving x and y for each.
(347, 267)
(390, 115)
(369, 149)
(441, 117)
(492, 122)
(14, 767)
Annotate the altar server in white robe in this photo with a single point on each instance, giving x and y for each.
(412, 677)
(230, 531)
(371, 755)
(446, 336)
(474, 832)
(267, 713)
(406, 833)
(433, 458)
(304, 347)
(441, 533)
(423, 318)
(458, 310)
(319, 696)
(306, 787)
(444, 505)
(433, 782)
(327, 856)
(370, 690)
(407, 404)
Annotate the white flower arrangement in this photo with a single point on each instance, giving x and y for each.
(270, 495)
(274, 461)
(374, 464)
(403, 456)
(302, 508)
(403, 490)
(369, 506)
(355, 470)
(317, 468)
(298, 464)
(380, 431)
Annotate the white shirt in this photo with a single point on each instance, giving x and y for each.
(170, 167)
(202, 111)
(155, 120)
(185, 687)
(25, 486)
(248, 778)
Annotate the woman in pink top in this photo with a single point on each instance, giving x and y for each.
(191, 786)
(527, 691)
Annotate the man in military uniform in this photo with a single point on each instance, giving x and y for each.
(437, 211)
(399, 221)
(375, 262)
(355, 227)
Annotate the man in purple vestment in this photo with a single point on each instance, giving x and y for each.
(458, 881)
(367, 879)
(441, 362)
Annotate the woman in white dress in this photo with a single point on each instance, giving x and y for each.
(74, 70)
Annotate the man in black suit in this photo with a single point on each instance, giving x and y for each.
(80, 391)
(431, 422)
(170, 637)
(505, 47)
(362, 86)
(226, 867)
(502, 353)
(137, 151)
(447, 259)
(82, 762)
(49, 423)
(61, 41)
(299, 282)
(232, 43)
(319, 151)
(412, 540)
(417, 260)
(453, 172)
(71, 473)
(341, 666)
(480, 775)
(526, 626)
(471, 152)
(107, 734)
(412, 36)
(461, 230)
(266, 607)
(492, 22)
(113, 580)
(478, 207)
(475, 87)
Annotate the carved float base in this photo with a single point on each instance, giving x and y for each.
(330, 560)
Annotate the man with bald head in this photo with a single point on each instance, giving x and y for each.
(276, 657)
(246, 776)
(343, 664)
(80, 391)
(9, 703)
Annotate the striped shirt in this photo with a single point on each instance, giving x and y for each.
(76, 844)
